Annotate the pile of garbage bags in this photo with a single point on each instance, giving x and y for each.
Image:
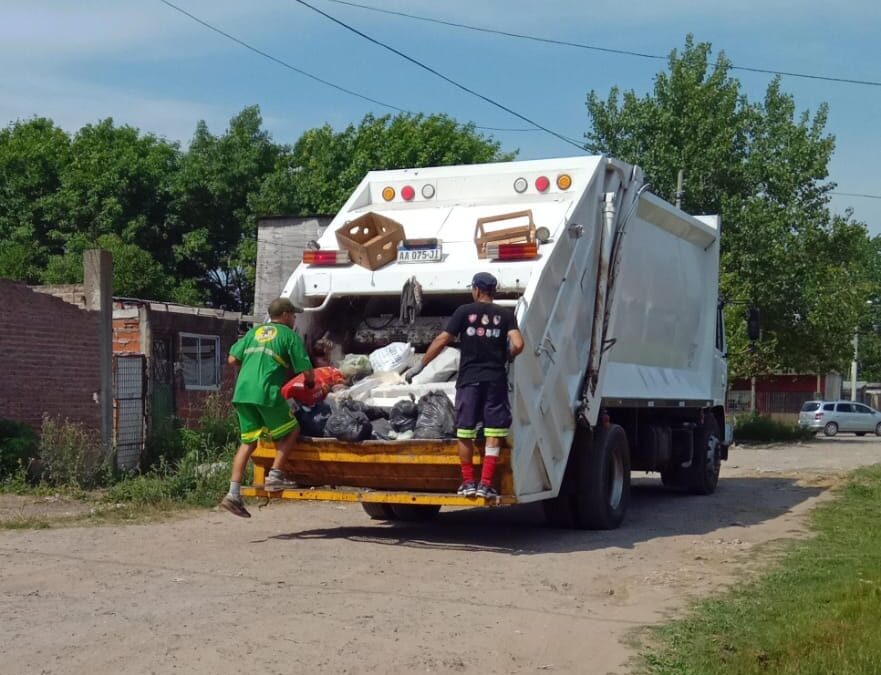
(364, 397)
(431, 417)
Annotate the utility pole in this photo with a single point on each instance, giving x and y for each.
(853, 366)
(679, 180)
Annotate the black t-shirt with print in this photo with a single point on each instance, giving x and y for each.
(482, 329)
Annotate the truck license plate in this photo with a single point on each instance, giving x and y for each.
(420, 255)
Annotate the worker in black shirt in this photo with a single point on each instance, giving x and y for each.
(488, 338)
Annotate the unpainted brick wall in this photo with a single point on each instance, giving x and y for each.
(49, 356)
(127, 335)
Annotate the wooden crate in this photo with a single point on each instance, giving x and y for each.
(372, 240)
(517, 234)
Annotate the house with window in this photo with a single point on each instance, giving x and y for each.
(182, 352)
(167, 359)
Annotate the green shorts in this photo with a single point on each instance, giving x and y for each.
(257, 420)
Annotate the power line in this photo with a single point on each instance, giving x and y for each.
(431, 70)
(855, 194)
(300, 71)
(608, 50)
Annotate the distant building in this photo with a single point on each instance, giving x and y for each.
(167, 358)
(281, 241)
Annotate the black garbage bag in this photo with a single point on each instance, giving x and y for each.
(437, 416)
(313, 419)
(403, 416)
(382, 430)
(348, 425)
(373, 412)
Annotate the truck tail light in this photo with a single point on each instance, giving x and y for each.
(511, 251)
(564, 181)
(388, 193)
(326, 258)
(542, 183)
(407, 193)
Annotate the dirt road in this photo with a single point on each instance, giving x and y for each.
(320, 588)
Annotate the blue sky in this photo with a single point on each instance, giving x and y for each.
(144, 64)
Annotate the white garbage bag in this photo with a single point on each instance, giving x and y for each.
(393, 357)
(443, 368)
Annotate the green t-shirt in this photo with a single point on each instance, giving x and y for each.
(268, 353)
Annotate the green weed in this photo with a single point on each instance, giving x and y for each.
(761, 429)
(819, 612)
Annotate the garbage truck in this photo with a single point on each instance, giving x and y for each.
(616, 295)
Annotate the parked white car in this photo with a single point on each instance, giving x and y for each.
(835, 416)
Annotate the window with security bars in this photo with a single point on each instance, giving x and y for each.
(200, 361)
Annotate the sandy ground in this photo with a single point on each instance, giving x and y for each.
(320, 588)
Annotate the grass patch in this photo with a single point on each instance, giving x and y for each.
(757, 428)
(183, 468)
(818, 613)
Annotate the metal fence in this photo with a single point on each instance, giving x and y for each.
(129, 386)
(769, 401)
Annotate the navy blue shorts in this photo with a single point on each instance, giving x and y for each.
(485, 402)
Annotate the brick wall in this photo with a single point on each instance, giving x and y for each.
(75, 294)
(126, 332)
(49, 356)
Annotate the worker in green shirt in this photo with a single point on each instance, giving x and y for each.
(264, 357)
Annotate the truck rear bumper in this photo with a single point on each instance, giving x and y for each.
(425, 472)
(327, 494)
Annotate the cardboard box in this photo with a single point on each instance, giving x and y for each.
(372, 240)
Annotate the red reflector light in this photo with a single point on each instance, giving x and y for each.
(326, 257)
(542, 183)
(511, 251)
(407, 192)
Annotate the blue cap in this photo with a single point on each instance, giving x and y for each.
(484, 281)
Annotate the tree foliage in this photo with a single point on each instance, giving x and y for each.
(763, 167)
(182, 224)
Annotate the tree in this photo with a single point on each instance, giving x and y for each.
(118, 181)
(213, 188)
(33, 154)
(182, 225)
(324, 166)
(136, 273)
(764, 169)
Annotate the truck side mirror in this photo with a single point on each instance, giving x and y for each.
(753, 326)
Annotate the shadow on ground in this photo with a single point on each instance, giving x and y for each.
(654, 512)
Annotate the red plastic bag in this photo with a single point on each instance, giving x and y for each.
(325, 379)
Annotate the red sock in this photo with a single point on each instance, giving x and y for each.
(489, 467)
(467, 472)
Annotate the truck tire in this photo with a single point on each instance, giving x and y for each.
(703, 474)
(414, 513)
(378, 511)
(603, 481)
